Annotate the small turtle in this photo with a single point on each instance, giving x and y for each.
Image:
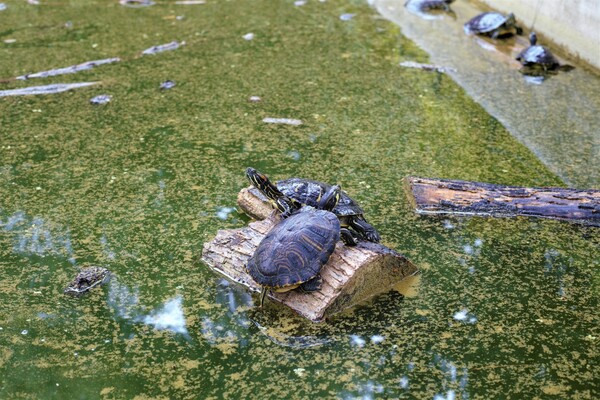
(536, 56)
(87, 279)
(492, 24)
(293, 252)
(290, 194)
(428, 5)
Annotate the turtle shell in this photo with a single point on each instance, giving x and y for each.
(485, 23)
(294, 251)
(537, 55)
(427, 5)
(308, 192)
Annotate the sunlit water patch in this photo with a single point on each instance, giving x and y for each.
(35, 236)
(125, 303)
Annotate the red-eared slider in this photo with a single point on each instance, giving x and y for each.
(492, 24)
(293, 252)
(291, 194)
(87, 279)
(537, 56)
(428, 5)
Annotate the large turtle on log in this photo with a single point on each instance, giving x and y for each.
(293, 252)
(291, 194)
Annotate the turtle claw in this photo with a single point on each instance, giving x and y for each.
(365, 230)
(348, 237)
(372, 236)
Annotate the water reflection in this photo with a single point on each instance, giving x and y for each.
(464, 316)
(228, 328)
(556, 266)
(168, 317)
(365, 391)
(125, 303)
(223, 213)
(35, 236)
(454, 382)
(534, 80)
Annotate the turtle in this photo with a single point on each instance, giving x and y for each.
(293, 252)
(428, 5)
(87, 279)
(536, 56)
(492, 24)
(290, 194)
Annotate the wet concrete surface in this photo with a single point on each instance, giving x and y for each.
(557, 119)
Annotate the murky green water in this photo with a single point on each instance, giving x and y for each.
(503, 308)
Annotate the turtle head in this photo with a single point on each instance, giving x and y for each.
(262, 183)
(256, 178)
(282, 202)
(532, 38)
(330, 198)
(511, 22)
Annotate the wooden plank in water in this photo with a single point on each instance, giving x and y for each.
(444, 196)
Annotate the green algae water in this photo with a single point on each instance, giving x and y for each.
(503, 308)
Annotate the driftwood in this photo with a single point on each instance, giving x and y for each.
(351, 275)
(441, 196)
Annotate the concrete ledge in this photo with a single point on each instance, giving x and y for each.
(573, 25)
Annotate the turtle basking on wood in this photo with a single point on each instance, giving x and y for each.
(87, 279)
(537, 56)
(291, 194)
(493, 24)
(293, 252)
(428, 5)
(538, 60)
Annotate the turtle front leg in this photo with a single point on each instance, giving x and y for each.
(312, 285)
(365, 229)
(348, 237)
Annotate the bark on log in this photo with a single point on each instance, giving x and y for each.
(441, 196)
(351, 275)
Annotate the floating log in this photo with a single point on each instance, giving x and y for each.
(352, 274)
(443, 196)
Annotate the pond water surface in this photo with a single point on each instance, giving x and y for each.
(503, 308)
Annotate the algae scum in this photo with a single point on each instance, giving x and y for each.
(503, 308)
